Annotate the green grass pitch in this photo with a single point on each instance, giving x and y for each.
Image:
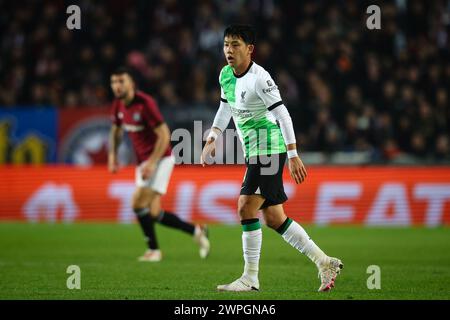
(414, 262)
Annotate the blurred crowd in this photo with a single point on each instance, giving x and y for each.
(347, 88)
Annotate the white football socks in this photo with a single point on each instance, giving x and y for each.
(251, 245)
(297, 237)
(291, 232)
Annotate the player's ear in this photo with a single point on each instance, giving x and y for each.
(133, 83)
(251, 47)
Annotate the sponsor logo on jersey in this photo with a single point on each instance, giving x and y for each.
(269, 83)
(132, 127)
(241, 113)
(270, 89)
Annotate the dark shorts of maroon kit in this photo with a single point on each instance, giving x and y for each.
(269, 181)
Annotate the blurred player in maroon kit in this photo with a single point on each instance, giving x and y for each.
(137, 113)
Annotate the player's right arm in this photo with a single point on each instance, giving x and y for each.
(115, 138)
(220, 123)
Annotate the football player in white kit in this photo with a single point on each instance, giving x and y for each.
(250, 96)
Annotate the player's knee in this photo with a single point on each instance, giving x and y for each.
(140, 201)
(245, 211)
(138, 204)
(271, 221)
(155, 213)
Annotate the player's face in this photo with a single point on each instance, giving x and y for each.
(121, 85)
(236, 51)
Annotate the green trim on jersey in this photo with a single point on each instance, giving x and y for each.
(261, 137)
(228, 83)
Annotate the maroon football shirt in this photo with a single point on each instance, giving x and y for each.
(139, 119)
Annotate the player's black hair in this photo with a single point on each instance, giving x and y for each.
(124, 70)
(244, 31)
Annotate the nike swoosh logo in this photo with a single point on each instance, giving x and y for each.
(248, 286)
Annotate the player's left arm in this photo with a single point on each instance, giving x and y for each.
(269, 93)
(296, 166)
(162, 142)
(162, 133)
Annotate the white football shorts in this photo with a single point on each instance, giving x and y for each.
(159, 181)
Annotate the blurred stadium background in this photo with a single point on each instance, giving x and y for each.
(370, 109)
(356, 96)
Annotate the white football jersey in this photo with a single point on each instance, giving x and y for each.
(250, 97)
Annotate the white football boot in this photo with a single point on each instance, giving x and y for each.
(328, 273)
(201, 238)
(240, 285)
(151, 256)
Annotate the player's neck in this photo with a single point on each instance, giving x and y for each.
(129, 98)
(239, 70)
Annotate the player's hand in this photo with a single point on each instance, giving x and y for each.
(297, 170)
(113, 165)
(209, 148)
(147, 169)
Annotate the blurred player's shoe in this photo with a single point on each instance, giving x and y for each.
(328, 273)
(240, 285)
(151, 256)
(201, 238)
